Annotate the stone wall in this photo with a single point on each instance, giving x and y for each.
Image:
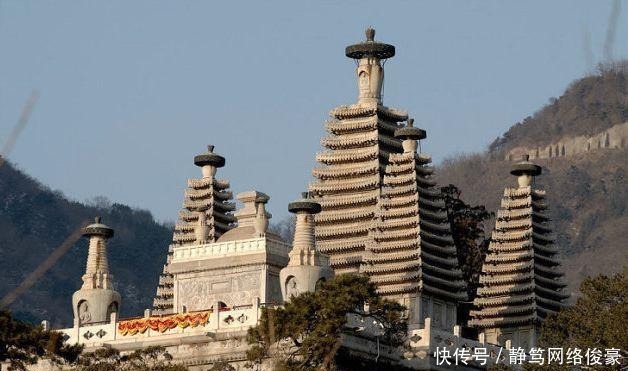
(612, 138)
(228, 274)
(222, 338)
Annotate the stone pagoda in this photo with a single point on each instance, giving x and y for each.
(361, 137)
(381, 213)
(97, 300)
(375, 209)
(206, 215)
(307, 266)
(521, 281)
(411, 250)
(239, 268)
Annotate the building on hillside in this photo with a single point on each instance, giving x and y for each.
(374, 209)
(521, 281)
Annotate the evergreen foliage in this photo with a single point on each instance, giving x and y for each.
(307, 332)
(152, 358)
(467, 229)
(597, 320)
(22, 344)
(35, 220)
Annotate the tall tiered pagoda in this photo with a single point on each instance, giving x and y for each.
(521, 281)
(381, 214)
(206, 215)
(411, 249)
(360, 141)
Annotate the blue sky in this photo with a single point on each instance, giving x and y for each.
(130, 91)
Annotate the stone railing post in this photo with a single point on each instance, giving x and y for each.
(214, 318)
(428, 332)
(256, 308)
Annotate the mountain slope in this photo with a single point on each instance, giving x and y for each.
(589, 105)
(588, 192)
(35, 220)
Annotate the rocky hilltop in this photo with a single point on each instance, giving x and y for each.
(588, 106)
(587, 187)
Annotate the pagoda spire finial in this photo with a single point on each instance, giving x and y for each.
(201, 230)
(209, 162)
(409, 136)
(370, 33)
(97, 270)
(525, 171)
(253, 213)
(370, 72)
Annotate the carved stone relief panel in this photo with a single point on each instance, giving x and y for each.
(200, 293)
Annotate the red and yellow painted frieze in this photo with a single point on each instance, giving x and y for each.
(164, 323)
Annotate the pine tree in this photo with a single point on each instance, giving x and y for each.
(467, 228)
(22, 344)
(307, 332)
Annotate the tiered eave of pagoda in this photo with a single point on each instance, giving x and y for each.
(411, 247)
(206, 196)
(348, 179)
(521, 280)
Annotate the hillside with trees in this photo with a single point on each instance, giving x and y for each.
(587, 192)
(34, 221)
(588, 106)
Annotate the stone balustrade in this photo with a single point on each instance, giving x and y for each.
(363, 336)
(228, 248)
(224, 321)
(425, 342)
